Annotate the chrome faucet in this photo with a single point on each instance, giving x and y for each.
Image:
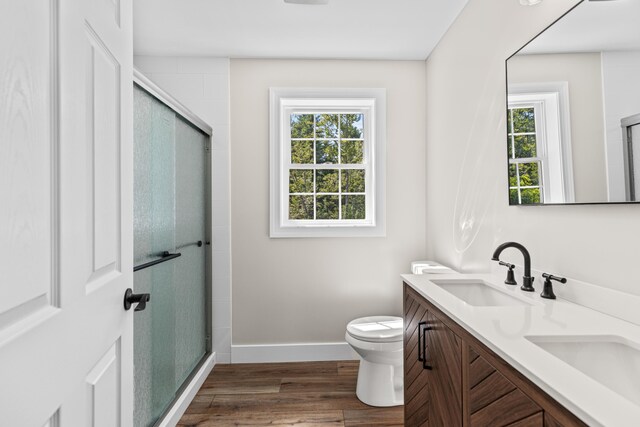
(527, 280)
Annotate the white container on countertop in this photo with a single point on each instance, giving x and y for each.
(429, 267)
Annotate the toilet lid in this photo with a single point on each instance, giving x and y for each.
(376, 328)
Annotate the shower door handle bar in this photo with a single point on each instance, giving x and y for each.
(186, 245)
(166, 256)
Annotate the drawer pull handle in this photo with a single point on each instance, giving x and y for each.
(422, 344)
(420, 348)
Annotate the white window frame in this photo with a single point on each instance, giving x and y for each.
(371, 103)
(553, 136)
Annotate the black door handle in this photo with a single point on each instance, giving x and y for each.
(422, 344)
(140, 299)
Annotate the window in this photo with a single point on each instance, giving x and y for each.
(327, 148)
(538, 144)
(525, 164)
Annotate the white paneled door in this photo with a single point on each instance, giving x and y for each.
(65, 213)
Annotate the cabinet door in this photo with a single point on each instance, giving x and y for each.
(444, 356)
(416, 392)
(494, 400)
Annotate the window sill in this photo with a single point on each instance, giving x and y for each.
(278, 232)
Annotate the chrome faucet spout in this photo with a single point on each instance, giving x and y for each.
(527, 280)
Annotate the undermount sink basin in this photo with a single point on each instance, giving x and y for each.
(611, 360)
(478, 293)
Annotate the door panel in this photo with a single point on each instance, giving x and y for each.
(27, 163)
(103, 106)
(103, 383)
(65, 173)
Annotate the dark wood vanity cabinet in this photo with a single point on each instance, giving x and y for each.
(451, 379)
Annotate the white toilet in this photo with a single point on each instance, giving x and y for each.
(378, 341)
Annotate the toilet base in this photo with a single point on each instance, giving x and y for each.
(380, 385)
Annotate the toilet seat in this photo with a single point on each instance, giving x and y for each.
(377, 329)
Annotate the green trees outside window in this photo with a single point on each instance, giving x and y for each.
(327, 193)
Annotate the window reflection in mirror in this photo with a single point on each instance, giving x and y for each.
(524, 164)
(572, 94)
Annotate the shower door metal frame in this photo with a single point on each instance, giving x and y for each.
(154, 90)
(627, 140)
(157, 92)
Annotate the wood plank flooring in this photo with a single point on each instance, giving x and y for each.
(285, 394)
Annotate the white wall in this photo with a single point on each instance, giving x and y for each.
(582, 72)
(468, 213)
(621, 84)
(202, 85)
(307, 290)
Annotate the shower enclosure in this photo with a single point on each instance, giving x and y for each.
(171, 249)
(631, 151)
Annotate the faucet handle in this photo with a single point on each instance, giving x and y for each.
(547, 291)
(556, 278)
(510, 280)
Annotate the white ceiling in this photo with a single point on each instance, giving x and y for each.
(354, 29)
(593, 26)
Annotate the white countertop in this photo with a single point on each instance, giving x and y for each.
(503, 330)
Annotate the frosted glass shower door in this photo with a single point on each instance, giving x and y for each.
(190, 292)
(170, 211)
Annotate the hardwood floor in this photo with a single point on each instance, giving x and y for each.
(285, 394)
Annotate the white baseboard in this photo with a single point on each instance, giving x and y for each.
(311, 352)
(181, 405)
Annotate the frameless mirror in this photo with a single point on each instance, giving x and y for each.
(573, 116)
